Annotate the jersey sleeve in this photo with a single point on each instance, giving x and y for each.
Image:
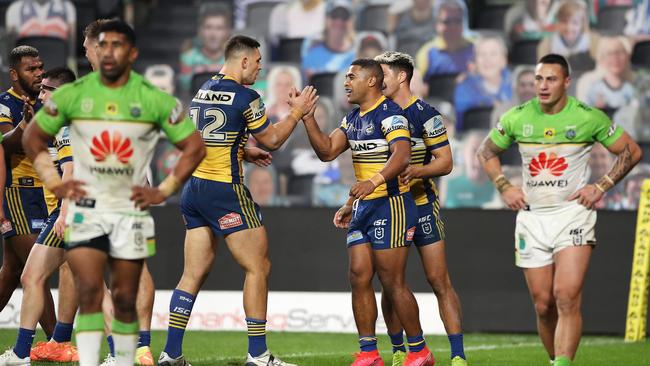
(64, 150)
(502, 134)
(175, 122)
(5, 114)
(434, 133)
(395, 127)
(344, 125)
(255, 114)
(605, 131)
(54, 114)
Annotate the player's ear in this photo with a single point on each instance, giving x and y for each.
(244, 62)
(372, 81)
(133, 54)
(13, 74)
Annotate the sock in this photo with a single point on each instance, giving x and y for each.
(90, 329)
(416, 344)
(125, 336)
(456, 343)
(562, 361)
(144, 339)
(180, 308)
(256, 336)
(368, 343)
(62, 332)
(111, 344)
(397, 340)
(24, 342)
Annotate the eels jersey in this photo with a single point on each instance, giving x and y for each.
(428, 133)
(225, 112)
(370, 134)
(554, 147)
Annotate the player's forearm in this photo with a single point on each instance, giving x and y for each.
(281, 131)
(488, 155)
(625, 161)
(192, 152)
(320, 142)
(399, 159)
(12, 140)
(3, 175)
(438, 167)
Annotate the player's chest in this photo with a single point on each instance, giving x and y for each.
(566, 130)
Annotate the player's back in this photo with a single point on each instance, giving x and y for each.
(225, 112)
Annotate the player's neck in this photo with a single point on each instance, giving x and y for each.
(236, 76)
(370, 101)
(117, 83)
(555, 108)
(20, 91)
(402, 97)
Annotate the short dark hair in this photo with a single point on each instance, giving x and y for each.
(16, 55)
(553, 58)
(62, 75)
(92, 29)
(397, 61)
(239, 43)
(118, 26)
(215, 10)
(373, 67)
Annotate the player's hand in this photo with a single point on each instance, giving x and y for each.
(72, 189)
(5, 225)
(59, 227)
(303, 102)
(28, 110)
(514, 198)
(257, 156)
(342, 217)
(411, 172)
(146, 196)
(587, 196)
(361, 189)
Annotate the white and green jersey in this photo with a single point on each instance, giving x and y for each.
(113, 132)
(554, 147)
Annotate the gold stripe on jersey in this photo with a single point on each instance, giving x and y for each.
(6, 120)
(432, 141)
(15, 205)
(364, 171)
(50, 200)
(217, 164)
(64, 152)
(398, 133)
(254, 123)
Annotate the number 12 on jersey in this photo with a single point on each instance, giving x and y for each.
(212, 120)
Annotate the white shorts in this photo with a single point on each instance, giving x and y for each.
(540, 233)
(131, 236)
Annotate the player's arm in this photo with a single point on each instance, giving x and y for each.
(400, 156)
(12, 136)
(3, 180)
(327, 148)
(488, 155)
(257, 156)
(59, 224)
(441, 165)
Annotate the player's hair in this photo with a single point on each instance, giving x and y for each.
(373, 67)
(239, 43)
(16, 55)
(398, 61)
(215, 10)
(62, 75)
(118, 26)
(555, 59)
(92, 29)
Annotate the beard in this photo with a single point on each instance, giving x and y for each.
(28, 88)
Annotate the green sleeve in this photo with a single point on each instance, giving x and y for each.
(502, 134)
(54, 113)
(605, 131)
(174, 121)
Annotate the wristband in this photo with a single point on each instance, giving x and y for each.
(169, 185)
(599, 187)
(609, 179)
(22, 125)
(377, 180)
(296, 114)
(44, 166)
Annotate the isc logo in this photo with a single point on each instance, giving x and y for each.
(380, 222)
(180, 310)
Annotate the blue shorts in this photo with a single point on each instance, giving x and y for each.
(48, 236)
(224, 207)
(385, 223)
(430, 228)
(26, 209)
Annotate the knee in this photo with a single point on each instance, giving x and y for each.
(567, 301)
(30, 279)
(544, 306)
(441, 284)
(124, 302)
(360, 276)
(90, 294)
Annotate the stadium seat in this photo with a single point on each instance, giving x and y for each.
(477, 118)
(85, 15)
(290, 50)
(611, 19)
(645, 148)
(199, 79)
(491, 17)
(324, 83)
(410, 46)
(524, 52)
(511, 156)
(374, 17)
(581, 62)
(5, 83)
(442, 86)
(53, 51)
(641, 55)
(257, 16)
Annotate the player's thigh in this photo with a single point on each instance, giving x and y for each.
(41, 263)
(250, 248)
(125, 277)
(540, 283)
(571, 266)
(22, 245)
(362, 264)
(434, 261)
(200, 249)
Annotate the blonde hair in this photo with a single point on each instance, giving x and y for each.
(570, 7)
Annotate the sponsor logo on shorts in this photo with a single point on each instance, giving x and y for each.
(26, 181)
(5, 227)
(37, 223)
(354, 236)
(410, 233)
(230, 220)
(379, 233)
(577, 236)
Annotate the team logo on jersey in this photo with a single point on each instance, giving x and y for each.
(111, 108)
(51, 108)
(570, 132)
(555, 165)
(136, 110)
(370, 129)
(87, 105)
(106, 145)
(549, 132)
(528, 130)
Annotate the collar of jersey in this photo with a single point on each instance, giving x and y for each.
(410, 103)
(17, 96)
(226, 77)
(377, 103)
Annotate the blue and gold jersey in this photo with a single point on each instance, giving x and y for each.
(60, 148)
(428, 133)
(370, 134)
(225, 112)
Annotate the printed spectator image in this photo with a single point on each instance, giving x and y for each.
(324, 182)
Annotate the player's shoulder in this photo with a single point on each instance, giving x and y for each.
(524, 110)
(389, 107)
(585, 110)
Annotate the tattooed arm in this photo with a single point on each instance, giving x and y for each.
(628, 155)
(488, 155)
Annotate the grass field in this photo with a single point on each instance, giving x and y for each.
(326, 349)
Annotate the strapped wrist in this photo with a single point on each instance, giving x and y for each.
(169, 185)
(377, 180)
(44, 166)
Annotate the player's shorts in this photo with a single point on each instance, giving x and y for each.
(48, 236)
(223, 207)
(540, 233)
(430, 228)
(385, 222)
(26, 209)
(130, 235)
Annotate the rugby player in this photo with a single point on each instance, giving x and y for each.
(26, 204)
(554, 234)
(216, 203)
(383, 222)
(114, 117)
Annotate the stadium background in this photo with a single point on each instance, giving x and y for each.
(307, 252)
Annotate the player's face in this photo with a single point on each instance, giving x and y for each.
(91, 53)
(356, 84)
(29, 75)
(252, 65)
(550, 83)
(391, 81)
(116, 54)
(48, 86)
(214, 33)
